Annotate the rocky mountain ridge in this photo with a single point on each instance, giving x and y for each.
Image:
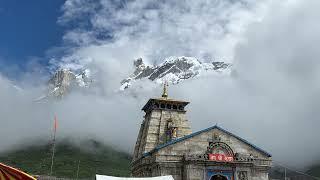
(173, 70)
(64, 80)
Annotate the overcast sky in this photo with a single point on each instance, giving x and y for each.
(270, 98)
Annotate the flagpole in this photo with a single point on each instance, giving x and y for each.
(53, 145)
(285, 173)
(78, 169)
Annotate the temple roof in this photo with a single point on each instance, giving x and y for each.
(160, 100)
(205, 130)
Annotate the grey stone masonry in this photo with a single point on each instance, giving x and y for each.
(165, 120)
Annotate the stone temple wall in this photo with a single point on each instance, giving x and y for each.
(153, 130)
(185, 158)
(180, 159)
(199, 143)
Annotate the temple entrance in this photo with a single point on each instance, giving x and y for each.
(218, 177)
(226, 174)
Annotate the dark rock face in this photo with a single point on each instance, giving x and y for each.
(220, 65)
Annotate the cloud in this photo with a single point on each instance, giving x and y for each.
(279, 68)
(20, 118)
(270, 98)
(205, 29)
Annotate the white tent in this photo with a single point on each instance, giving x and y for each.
(102, 177)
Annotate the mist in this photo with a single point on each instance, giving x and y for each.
(270, 98)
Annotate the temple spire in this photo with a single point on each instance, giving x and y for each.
(165, 91)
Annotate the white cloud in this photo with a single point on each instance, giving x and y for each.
(272, 45)
(205, 29)
(270, 42)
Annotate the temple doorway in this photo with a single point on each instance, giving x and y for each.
(218, 177)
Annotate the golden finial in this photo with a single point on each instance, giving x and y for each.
(165, 92)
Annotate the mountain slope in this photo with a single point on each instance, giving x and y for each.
(314, 170)
(64, 81)
(173, 70)
(278, 172)
(97, 159)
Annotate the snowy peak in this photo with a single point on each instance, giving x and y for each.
(84, 78)
(64, 80)
(173, 70)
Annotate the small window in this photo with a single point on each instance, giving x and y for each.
(180, 107)
(174, 106)
(163, 106)
(156, 105)
(169, 106)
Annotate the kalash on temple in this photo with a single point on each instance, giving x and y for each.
(166, 146)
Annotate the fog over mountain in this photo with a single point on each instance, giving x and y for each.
(270, 97)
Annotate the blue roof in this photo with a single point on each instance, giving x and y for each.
(199, 132)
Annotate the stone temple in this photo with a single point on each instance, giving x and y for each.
(167, 146)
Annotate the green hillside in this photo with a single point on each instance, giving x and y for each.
(96, 159)
(277, 172)
(314, 170)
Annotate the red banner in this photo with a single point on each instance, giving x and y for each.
(220, 157)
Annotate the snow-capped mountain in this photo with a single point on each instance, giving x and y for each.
(64, 80)
(173, 70)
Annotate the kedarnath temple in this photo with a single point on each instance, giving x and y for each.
(167, 146)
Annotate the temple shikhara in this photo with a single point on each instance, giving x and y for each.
(167, 146)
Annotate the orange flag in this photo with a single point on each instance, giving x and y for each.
(10, 173)
(55, 124)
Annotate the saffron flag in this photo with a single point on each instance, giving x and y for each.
(55, 124)
(10, 173)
